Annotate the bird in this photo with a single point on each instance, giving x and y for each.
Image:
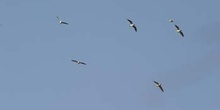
(78, 62)
(132, 25)
(170, 20)
(62, 22)
(159, 85)
(178, 30)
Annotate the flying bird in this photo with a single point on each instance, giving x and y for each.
(178, 30)
(78, 62)
(62, 22)
(159, 85)
(132, 25)
(170, 20)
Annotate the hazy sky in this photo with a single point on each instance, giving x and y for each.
(36, 52)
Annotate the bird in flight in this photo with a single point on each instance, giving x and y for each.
(132, 25)
(62, 22)
(170, 20)
(159, 85)
(178, 30)
(78, 62)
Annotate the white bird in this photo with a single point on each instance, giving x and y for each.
(178, 30)
(78, 62)
(132, 25)
(62, 22)
(159, 85)
(170, 20)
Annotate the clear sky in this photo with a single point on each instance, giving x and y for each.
(36, 52)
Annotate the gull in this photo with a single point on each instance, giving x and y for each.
(170, 20)
(132, 24)
(78, 62)
(178, 30)
(159, 85)
(62, 22)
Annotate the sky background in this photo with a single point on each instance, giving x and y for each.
(36, 52)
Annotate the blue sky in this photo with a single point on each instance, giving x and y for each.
(36, 52)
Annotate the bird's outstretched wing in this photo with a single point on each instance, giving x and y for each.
(82, 63)
(182, 33)
(177, 27)
(161, 88)
(156, 82)
(135, 28)
(64, 23)
(74, 61)
(58, 18)
(130, 21)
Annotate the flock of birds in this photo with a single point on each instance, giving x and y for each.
(178, 30)
(159, 85)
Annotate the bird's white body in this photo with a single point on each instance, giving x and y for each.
(178, 31)
(158, 85)
(131, 25)
(62, 22)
